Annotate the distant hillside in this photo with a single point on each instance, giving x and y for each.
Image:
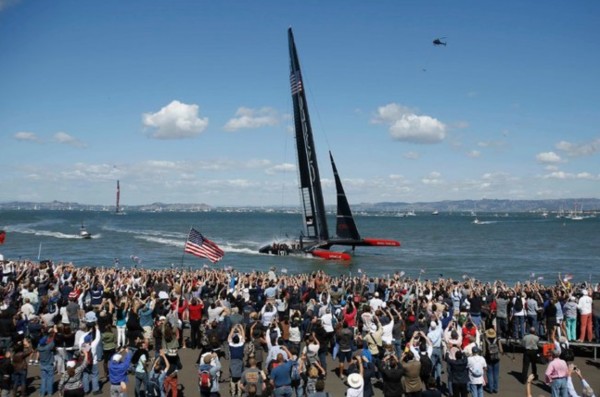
(486, 205)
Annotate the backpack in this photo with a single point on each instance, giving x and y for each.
(518, 304)
(249, 350)
(493, 351)
(205, 380)
(294, 373)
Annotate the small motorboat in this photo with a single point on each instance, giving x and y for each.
(83, 233)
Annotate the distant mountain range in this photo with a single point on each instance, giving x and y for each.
(485, 205)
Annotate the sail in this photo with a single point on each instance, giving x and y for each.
(345, 228)
(315, 223)
(118, 197)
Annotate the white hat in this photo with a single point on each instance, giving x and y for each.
(163, 295)
(90, 317)
(162, 318)
(71, 364)
(433, 324)
(376, 294)
(585, 291)
(355, 380)
(116, 357)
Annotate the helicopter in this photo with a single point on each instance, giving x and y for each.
(438, 42)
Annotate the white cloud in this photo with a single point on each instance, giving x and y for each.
(405, 125)
(579, 149)
(474, 153)
(566, 175)
(26, 136)
(411, 155)
(285, 167)
(432, 179)
(177, 120)
(66, 139)
(548, 158)
(252, 118)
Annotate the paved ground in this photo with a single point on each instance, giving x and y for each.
(510, 385)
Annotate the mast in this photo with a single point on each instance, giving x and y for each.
(311, 195)
(345, 227)
(118, 196)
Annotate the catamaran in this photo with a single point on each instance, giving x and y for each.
(315, 239)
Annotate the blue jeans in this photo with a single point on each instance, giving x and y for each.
(283, 391)
(476, 318)
(559, 388)
(47, 379)
(323, 359)
(398, 347)
(476, 390)
(92, 374)
(518, 327)
(493, 374)
(532, 321)
(436, 360)
(141, 379)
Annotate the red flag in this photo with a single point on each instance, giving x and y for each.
(198, 245)
(2, 236)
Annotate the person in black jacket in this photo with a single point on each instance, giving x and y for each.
(459, 374)
(391, 374)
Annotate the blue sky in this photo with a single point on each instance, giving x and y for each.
(188, 101)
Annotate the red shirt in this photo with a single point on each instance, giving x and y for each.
(195, 312)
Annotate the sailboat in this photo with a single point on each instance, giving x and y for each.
(315, 239)
(118, 207)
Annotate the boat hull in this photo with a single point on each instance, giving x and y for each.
(286, 249)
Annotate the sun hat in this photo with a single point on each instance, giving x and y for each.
(355, 380)
(490, 333)
(90, 317)
(116, 357)
(71, 364)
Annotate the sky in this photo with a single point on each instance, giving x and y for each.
(189, 101)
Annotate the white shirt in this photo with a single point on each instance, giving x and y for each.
(585, 305)
(355, 392)
(476, 365)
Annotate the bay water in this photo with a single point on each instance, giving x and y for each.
(510, 247)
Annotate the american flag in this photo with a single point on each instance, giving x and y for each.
(296, 82)
(198, 245)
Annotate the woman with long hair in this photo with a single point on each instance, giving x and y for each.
(121, 323)
(71, 384)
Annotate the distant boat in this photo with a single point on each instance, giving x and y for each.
(118, 205)
(435, 212)
(83, 233)
(476, 221)
(315, 239)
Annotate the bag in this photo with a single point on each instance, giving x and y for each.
(518, 304)
(494, 351)
(294, 373)
(205, 380)
(476, 372)
(249, 350)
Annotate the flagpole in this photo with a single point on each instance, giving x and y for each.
(186, 239)
(40, 251)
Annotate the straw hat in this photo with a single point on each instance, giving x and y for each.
(355, 381)
(490, 333)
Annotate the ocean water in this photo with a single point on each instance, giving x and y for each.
(516, 247)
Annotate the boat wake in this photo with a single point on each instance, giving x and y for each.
(48, 233)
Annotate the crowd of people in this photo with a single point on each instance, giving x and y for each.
(269, 333)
